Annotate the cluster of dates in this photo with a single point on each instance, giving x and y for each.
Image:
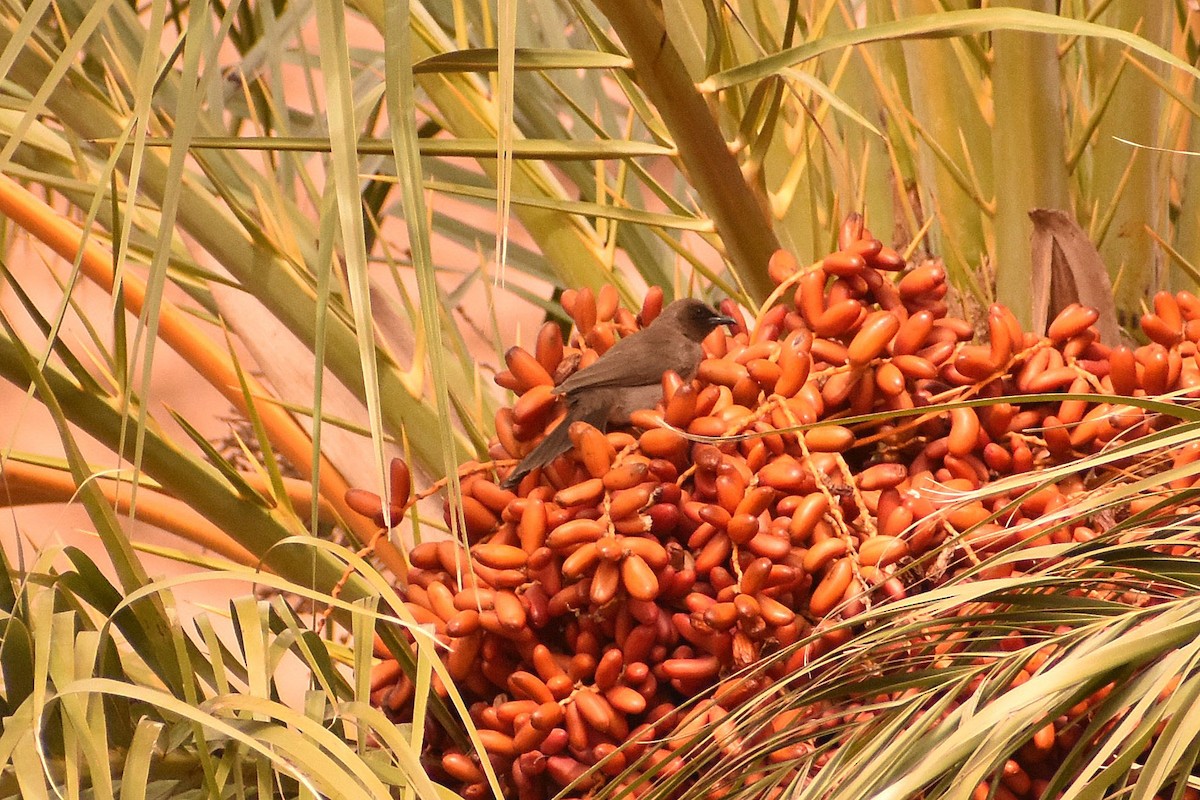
(641, 567)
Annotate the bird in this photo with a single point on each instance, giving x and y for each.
(627, 378)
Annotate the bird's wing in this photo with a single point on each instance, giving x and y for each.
(617, 368)
(555, 443)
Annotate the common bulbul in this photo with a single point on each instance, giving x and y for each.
(627, 378)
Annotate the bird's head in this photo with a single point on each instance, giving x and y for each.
(694, 318)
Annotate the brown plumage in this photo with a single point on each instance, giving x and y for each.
(627, 377)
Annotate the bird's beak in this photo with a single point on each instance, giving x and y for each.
(721, 319)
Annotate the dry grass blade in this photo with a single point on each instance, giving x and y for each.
(947, 23)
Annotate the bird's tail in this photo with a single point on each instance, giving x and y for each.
(555, 444)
